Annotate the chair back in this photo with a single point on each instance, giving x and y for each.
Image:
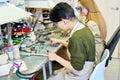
(98, 72)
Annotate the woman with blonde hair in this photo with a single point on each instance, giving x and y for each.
(92, 17)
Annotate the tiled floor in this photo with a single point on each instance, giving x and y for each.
(112, 72)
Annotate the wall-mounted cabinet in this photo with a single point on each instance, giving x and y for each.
(44, 3)
(37, 4)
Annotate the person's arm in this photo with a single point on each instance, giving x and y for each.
(63, 62)
(63, 42)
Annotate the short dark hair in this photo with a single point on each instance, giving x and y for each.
(61, 11)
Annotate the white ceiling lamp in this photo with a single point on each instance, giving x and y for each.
(10, 13)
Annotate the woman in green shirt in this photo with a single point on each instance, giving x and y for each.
(81, 45)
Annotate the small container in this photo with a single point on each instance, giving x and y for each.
(3, 59)
(37, 49)
(3, 56)
(23, 47)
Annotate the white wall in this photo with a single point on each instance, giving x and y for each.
(110, 10)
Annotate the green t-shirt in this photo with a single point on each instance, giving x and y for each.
(81, 47)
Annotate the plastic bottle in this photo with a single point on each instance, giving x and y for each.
(10, 46)
(10, 55)
(10, 50)
(16, 52)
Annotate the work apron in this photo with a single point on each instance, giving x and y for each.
(65, 74)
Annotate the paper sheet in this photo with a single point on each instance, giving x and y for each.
(4, 69)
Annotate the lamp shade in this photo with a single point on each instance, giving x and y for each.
(10, 13)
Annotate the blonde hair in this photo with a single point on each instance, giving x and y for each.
(95, 15)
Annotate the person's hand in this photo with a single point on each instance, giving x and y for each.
(52, 56)
(54, 40)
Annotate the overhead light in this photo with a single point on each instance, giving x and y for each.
(10, 13)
